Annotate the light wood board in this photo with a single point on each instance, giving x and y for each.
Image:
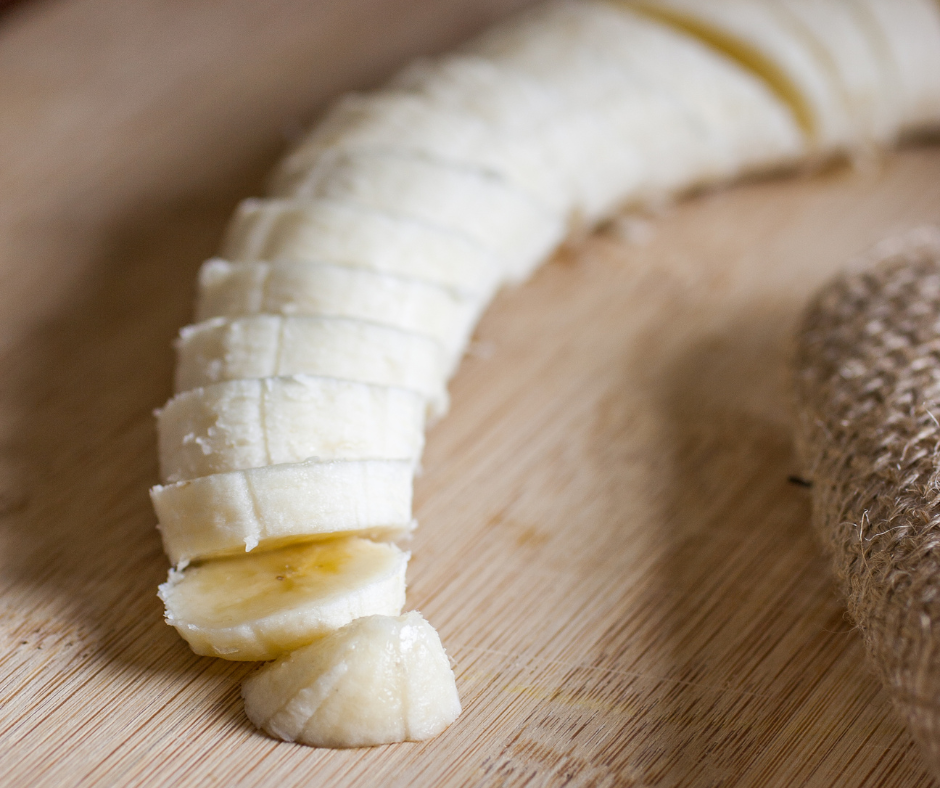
(609, 544)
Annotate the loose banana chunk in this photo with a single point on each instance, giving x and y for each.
(236, 289)
(241, 424)
(264, 346)
(766, 40)
(463, 200)
(378, 680)
(263, 605)
(329, 231)
(271, 507)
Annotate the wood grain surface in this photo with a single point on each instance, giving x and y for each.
(609, 543)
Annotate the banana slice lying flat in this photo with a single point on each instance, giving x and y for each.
(465, 200)
(328, 231)
(265, 508)
(377, 680)
(260, 606)
(244, 424)
(263, 346)
(289, 288)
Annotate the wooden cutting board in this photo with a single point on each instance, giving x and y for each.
(609, 542)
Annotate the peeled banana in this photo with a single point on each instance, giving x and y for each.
(352, 290)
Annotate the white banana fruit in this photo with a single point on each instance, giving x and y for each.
(236, 289)
(351, 297)
(378, 680)
(263, 346)
(234, 512)
(243, 424)
(261, 606)
(339, 233)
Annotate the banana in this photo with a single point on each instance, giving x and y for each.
(263, 346)
(261, 606)
(236, 289)
(377, 680)
(251, 423)
(464, 200)
(330, 231)
(270, 507)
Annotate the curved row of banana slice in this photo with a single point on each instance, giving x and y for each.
(344, 302)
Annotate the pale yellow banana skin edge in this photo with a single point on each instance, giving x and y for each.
(346, 298)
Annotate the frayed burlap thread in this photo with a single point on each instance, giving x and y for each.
(868, 399)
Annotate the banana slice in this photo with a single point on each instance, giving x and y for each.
(910, 32)
(766, 40)
(838, 28)
(399, 121)
(329, 231)
(464, 200)
(377, 680)
(686, 113)
(260, 606)
(242, 424)
(265, 346)
(271, 507)
(236, 289)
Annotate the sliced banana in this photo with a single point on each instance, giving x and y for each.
(242, 424)
(376, 681)
(260, 606)
(236, 289)
(265, 508)
(464, 200)
(330, 231)
(263, 346)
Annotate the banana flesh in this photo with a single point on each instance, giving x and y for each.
(244, 424)
(236, 512)
(229, 289)
(378, 680)
(353, 290)
(464, 200)
(263, 346)
(329, 231)
(261, 606)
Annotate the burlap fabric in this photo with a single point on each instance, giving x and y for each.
(868, 398)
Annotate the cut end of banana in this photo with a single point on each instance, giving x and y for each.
(260, 606)
(378, 680)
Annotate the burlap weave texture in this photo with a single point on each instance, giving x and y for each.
(868, 399)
